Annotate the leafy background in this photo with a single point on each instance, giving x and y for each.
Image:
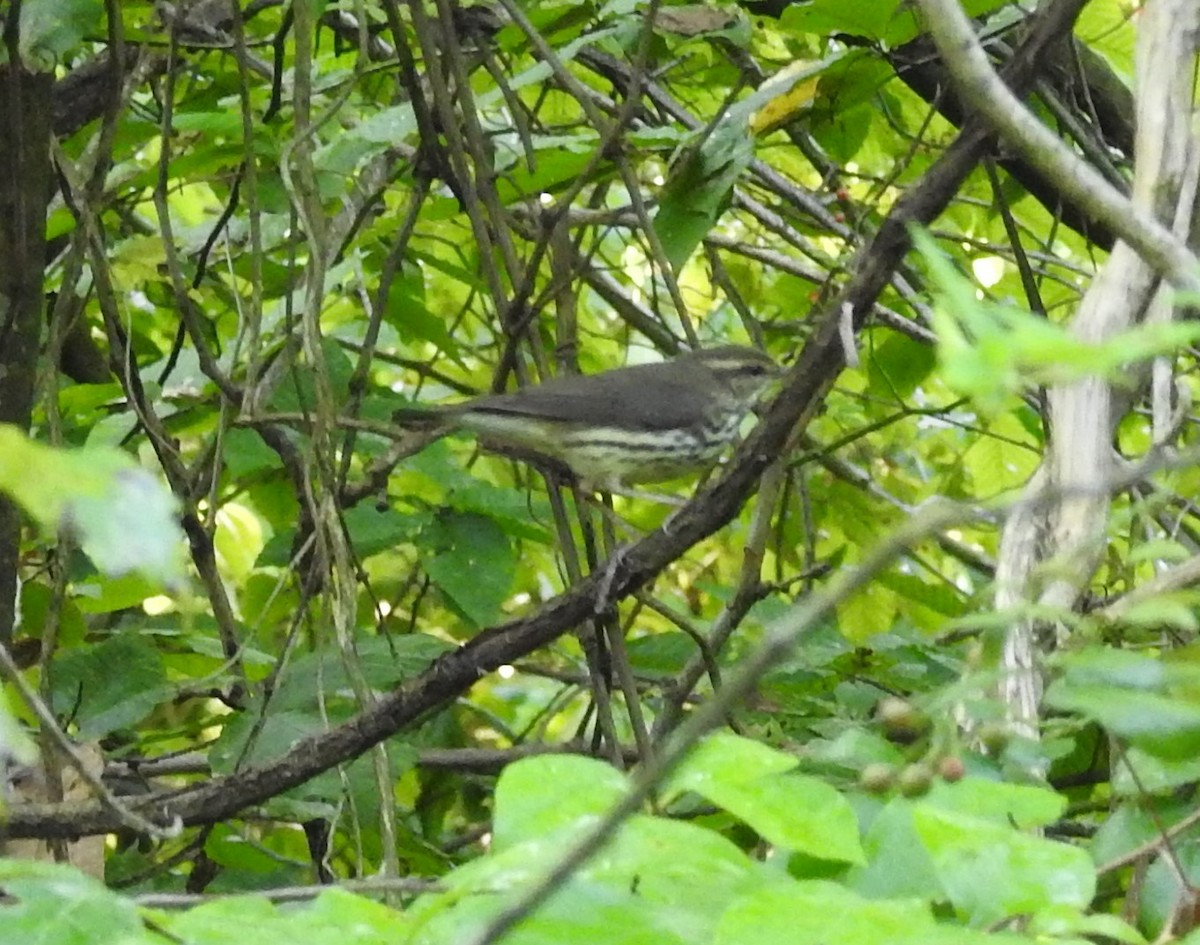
(340, 654)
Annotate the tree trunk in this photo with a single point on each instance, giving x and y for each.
(25, 113)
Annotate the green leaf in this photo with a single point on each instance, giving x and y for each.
(874, 20)
(238, 541)
(536, 796)
(224, 920)
(1022, 806)
(52, 904)
(125, 519)
(336, 914)
(657, 881)
(1152, 774)
(869, 611)
(936, 597)
(897, 365)
(852, 750)
(109, 685)
(372, 530)
(1162, 725)
(661, 654)
(248, 740)
(756, 785)
(272, 737)
(995, 460)
(728, 757)
(989, 352)
(518, 514)
(821, 913)
(15, 745)
(52, 29)
(101, 595)
(385, 662)
(890, 22)
(1161, 892)
(407, 310)
(229, 849)
(473, 565)
(223, 123)
(335, 917)
(1060, 923)
(991, 871)
(897, 864)
(1175, 609)
(244, 452)
(1153, 704)
(1139, 821)
(700, 188)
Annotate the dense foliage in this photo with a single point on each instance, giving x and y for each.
(295, 644)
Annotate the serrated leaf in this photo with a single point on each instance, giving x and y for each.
(473, 566)
(88, 687)
(383, 661)
(374, 530)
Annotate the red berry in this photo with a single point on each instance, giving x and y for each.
(951, 768)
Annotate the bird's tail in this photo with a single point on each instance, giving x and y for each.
(424, 419)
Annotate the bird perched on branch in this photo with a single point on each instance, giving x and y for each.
(646, 423)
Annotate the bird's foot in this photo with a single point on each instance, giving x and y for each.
(607, 579)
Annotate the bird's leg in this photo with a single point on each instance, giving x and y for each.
(669, 521)
(615, 487)
(616, 553)
(610, 516)
(607, 577)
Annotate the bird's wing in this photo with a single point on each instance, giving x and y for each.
(650, 399)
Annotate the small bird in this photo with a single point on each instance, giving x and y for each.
(646, 423)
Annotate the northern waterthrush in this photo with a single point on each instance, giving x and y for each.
(646, 423)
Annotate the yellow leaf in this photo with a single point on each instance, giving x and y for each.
(783, 108)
